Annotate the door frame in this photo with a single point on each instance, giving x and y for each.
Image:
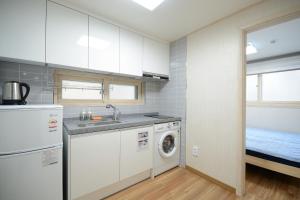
(241, 182)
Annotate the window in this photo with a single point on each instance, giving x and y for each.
(123, 92)
(81, 90)
(78, 88)
(275, 87)
(281, 86)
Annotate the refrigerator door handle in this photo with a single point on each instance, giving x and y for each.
(29, 151)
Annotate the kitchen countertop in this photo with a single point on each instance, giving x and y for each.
(126, 121)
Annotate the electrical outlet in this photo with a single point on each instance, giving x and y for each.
(195, 151)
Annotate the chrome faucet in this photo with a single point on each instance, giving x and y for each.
(116, 114)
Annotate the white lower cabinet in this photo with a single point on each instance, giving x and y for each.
(136, 151)
(94, 162)
(103, 163)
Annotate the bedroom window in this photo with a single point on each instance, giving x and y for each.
(79, 88)
(282, 88)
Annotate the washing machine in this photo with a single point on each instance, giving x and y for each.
(167, 146)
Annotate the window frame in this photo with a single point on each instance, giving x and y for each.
(263, 103)
(60, 75)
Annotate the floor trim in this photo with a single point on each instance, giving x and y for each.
(116, 187)
(211, 179)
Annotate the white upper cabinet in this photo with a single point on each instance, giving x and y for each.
(131, 53)
(23, 29)
(156, 57)
(66, 37)
(103, 46)
(47, 32)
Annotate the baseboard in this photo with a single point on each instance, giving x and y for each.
(211, 179)
(114, 188)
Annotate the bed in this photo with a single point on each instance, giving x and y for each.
(274, 150)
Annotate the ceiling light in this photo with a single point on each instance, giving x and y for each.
(149, 4)
(250, 49)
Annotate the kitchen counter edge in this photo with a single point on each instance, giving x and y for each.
(129, 122)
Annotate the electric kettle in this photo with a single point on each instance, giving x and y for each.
(13, 93)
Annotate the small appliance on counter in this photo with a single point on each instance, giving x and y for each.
(13, 93)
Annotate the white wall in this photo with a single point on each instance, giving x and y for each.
(214, 95)
(274, 118)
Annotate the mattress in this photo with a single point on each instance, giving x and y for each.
(277, 146)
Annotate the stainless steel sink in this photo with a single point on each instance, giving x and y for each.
(100, 123)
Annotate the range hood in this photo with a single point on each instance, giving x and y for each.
(155, 76)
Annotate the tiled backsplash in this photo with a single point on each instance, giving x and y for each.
(173, 93)
(40, 79)
(168, 98)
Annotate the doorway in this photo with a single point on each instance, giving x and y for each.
(272, 96)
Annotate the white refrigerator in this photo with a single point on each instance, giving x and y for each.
(31, 152)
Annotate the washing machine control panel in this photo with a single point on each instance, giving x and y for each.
(167, 126)
(174, 125)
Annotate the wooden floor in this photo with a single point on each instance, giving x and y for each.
(182, 184)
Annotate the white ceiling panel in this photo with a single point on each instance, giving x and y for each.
(170, 20)
(276, 40)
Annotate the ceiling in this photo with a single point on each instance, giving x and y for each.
(171, 20)
(276, 40)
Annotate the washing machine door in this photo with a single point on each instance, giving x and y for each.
(167, 145)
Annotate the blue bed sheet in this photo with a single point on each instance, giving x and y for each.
(282, 145)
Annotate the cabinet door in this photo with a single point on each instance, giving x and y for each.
(94, 162)
(67, 36)
(156, 57)
(23, 29)
(136, 156)
(131, 50)
(103, 46)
